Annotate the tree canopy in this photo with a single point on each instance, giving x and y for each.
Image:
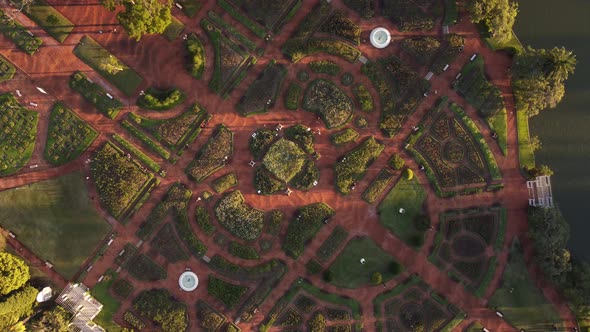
(17, 305)
(14, 273)
(538, 78)
(498, 16)
(54, 320)
(142, 16)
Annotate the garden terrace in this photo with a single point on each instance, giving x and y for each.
(414, 304)
(349, 272)
(18, 129)
(306, 223)
(160, 100)
(213, 155)
(365, 8)
(483, 96)
(410, 196)
(229, 294)
(455, 156)
(166, 244)
(68, 136)
(329, 102)
(49, 19)
(95, 56)
(519, 300)
(465, 243)
(408, 15)
(143, 268)
(353, 166)
(331, 39)
(303, 301)
(23, 38)
(95, 94)
(378, 186)
(231, 62)
(56, 220)
(159, 306)
(177, 132)
(240, 219)
(260, 16)
(196, 56)
(7, 70)
(262, 93)
(120, 181)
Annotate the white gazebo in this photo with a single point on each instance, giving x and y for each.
(380, 37)
(188, 281)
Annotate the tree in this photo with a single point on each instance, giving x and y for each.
(18, 304)
(422, 222)
(14, 273)
(498, 15)
(409, 174)
(376, 278)
(142, 16)
(538, 171)
(54, 320)
(111, 65)
(535, 143)
(560, 63)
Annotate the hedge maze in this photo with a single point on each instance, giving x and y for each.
(18, 129)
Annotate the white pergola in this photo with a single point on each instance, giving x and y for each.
(76, 299)
(540, 191)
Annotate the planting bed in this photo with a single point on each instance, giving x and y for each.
(329, 102)
(18, 129)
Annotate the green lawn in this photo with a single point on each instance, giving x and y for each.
(520, 301)
(512, 45)
(49, 19)
(56, 220)
(525, 152)
(410, 196)
(111, 305)
(499, 123)
(173, 30)
(92, 53)
(350, 273)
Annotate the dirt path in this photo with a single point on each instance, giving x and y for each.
(161, 64)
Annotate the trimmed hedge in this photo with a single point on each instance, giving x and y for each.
(159, 306)
(213, 155)
(363, 97)
(160, 100)
(329, 102)
(344, 136)
(301, 135)
(378, 186)
(137, 153)
(307, 177)
(325, 67)
(204, 220)
(265, 183)
(243, 251)
(229, 294)
(95, 94)
(274, 222)
(135, 322)
(122, 288)
(306, 223)
(238, 218)
(196, 56)
(353, 166)
(224, 182)
(293, 96)
(146, 140)
(260, 141)
(166, 244)
(332, 244)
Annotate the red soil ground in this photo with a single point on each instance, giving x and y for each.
(161, 63)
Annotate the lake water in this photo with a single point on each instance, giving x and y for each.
(565, 130)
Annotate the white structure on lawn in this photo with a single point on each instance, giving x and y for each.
(540, 191)
(188, 281)
(380, 37)
(77, 300)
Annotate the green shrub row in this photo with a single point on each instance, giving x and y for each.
(203, 220)
(238, 218)
(274, 222)
(257, 29)
(166, 244)
(145, 159)
(260, 141)
(306, 223)
(293, 96)
(229, 294)
(353, 166)
(224, 182)
(185, 232)
(213, 155)
(325, 67)
(243, 251)
(363, 97)
(160, 100)
(161, 307)
(265, 183)
(196, 56)
(135, 322)
(146, 140)
(344, 136)
(301, 135)
(95, 94)
(378, 186)
(234, 32)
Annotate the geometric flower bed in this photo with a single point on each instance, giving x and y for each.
(414, 306)
(303, 301)
(286, 160)
(18, 127)
(239, 218)
(68, 135)
(465, 244)
(453, 156)
(329, 102)
(213, 155)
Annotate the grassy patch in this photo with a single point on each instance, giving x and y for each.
(512, 45)
(526, 155)
(349, 272)
(68, 136)
(520, 301)
(409, 195)
(92, 53)
(110, 304)
(56, 220)
(499, 124)
(52, 21)
(173, 30)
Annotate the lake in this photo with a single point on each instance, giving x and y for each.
(565, 130)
